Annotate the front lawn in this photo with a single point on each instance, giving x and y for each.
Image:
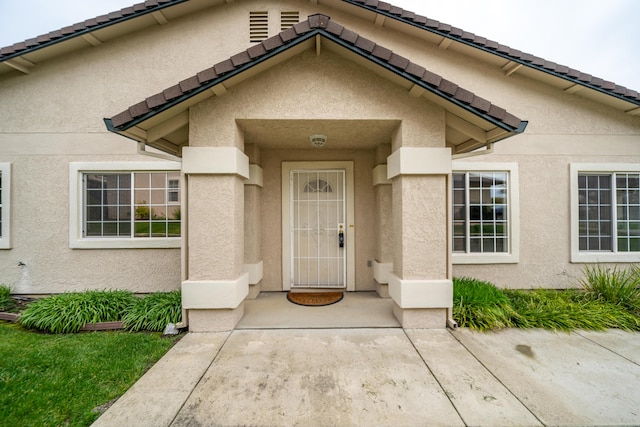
(60, 380)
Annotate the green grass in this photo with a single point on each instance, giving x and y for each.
(154, 312)
(69, 312)
(157, 229)
(56, 380)
(482, 306)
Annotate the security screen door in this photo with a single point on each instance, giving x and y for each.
(318, 230)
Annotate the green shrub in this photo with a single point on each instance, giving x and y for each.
(154, 312)
(615, 286)
(480, 305)
(567, 310)
(6, 302)
(69, 312)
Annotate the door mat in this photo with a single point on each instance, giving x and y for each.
(314, 299)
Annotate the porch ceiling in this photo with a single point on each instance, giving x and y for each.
(294, 134)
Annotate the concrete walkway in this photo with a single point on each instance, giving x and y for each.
(389, 377)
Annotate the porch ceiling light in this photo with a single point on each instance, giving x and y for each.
(318, 140)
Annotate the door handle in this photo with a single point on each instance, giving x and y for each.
(341, 236)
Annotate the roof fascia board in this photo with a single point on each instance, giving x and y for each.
(209, 85)
(90, 30)
(490, 51)
(301, 39)
(418, 82)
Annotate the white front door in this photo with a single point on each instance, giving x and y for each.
(318, 228)
(317, 225)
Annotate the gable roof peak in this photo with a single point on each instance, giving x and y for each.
(214, 78)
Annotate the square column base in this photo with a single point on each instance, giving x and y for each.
(383, 290)
(420, 318)
(214, 320)
(254, 291)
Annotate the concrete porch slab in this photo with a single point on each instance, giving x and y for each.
(272, 310)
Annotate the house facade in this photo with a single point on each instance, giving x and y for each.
(232, 148)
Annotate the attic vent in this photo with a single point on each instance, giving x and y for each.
(258, 26)
(288, 19)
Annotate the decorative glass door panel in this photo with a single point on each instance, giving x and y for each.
(318, 229)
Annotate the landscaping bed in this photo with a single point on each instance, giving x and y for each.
(92, 311)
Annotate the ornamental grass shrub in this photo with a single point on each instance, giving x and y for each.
(69, 312)
(154, 312)
(481, 305)
(616, 286)
(6, 302)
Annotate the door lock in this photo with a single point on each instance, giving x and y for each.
(341, 235)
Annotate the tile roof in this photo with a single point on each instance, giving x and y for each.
(383, 8)
(315, 25)
(470, 39)
(87, 26)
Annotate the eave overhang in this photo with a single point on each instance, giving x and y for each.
(479, 119)
(515, 58)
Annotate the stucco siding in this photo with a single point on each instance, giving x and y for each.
(40, 228)
(545, 252)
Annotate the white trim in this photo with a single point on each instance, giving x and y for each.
(349, 226)
(5, 240)
(255, 176)
(381, 271)
(215, 294)
(76, 240)
(578, 256)
(419, 161)
(421, 293)
(513, 256)
(215, 160)
(255, 272)
(380, 175)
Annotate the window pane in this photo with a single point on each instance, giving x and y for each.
(94, 213)
(595, 212)
(459, 245)
(109, 208)
(102, 203)
(142, 180)
(486, 200)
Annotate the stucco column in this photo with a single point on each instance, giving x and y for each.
(420, 285)
(216, 283)
(253, 222)
(383, 262)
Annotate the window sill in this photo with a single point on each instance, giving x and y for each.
(105, 243)
(596, 257)
(466, 259)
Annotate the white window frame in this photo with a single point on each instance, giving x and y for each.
(5, 239)
(512, 256)
(76, 206)
(578, 256)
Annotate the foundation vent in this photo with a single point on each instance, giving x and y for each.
(258, 26)
(288, 19)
